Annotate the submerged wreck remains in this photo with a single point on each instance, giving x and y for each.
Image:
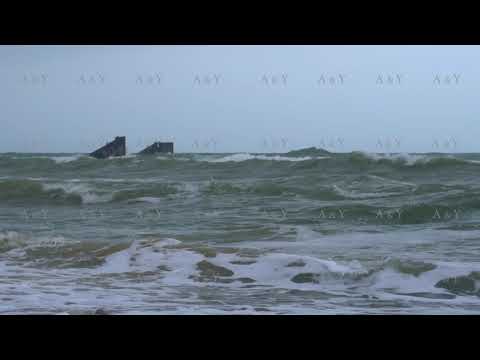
(115, 148)
(118, 148)
(158, 147)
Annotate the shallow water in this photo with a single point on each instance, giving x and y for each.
(304, 232)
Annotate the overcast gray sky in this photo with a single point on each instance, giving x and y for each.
(240, 98)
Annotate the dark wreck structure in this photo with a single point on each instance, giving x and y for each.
(158, 147)
(115, 148)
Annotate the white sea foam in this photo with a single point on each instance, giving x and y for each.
(273, 269)
(113, 285)
(142, 257)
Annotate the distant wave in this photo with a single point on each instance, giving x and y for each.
(247, 156)
(311, 151)
(56, 158)
(310, 157)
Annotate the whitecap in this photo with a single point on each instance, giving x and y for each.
(146, 199)
(409, 159)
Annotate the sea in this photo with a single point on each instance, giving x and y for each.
(300, 232)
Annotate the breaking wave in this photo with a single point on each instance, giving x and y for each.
(175, 262)
(409, 160)
(33, 191)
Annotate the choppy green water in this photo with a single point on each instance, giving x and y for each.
(303, 232)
